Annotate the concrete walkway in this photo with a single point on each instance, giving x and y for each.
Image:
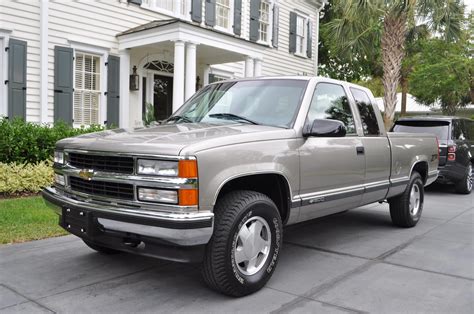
(351, 262)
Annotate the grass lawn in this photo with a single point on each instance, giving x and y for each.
(27, 218)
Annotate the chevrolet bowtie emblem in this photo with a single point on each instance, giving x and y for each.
(86, 174)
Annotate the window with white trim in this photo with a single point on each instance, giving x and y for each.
(223, 13)
(178, 8)
(301, 33)
(264, 21)
(87, 89)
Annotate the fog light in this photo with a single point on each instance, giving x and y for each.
(59, 179)
(159, 196)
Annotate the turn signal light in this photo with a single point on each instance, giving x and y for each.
(188, 197)
(187, 169)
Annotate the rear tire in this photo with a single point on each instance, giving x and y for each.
(244, 249)
(101, 249)
(405, 209)
(465, 185)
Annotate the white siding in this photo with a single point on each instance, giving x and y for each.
(97, 23)
(24, 18)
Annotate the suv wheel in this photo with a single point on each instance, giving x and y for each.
(405, 209)
(244, 249)
(465, 185)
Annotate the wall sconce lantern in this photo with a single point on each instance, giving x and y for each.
(134, 79)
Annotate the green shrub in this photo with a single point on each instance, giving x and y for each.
(25, 178)
(27, 142)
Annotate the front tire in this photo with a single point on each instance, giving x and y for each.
(244, 249)
(405, 209)
(465, 185)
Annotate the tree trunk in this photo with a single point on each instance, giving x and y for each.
(404, 83)
(393, 38)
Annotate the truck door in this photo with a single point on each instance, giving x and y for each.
(376, 148)
(332, 169)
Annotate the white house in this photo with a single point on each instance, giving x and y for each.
(99, 62)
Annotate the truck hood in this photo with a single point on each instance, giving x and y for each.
(172, 139)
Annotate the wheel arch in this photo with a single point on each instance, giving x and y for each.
(262, 182)
(422, 168)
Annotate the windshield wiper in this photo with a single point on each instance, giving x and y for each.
(177, 118)
(231, 116)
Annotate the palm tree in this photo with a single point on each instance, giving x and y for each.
(362, 24)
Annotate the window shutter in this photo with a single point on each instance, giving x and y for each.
(254, 19)
(210, 12)
(276, 24)
(63, 84)
(139, 2)
(292, 43)
(113, 91)
(237, 17)
(196, 10)
(309, 45)
(17, 78)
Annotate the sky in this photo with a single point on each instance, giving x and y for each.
(469, 4)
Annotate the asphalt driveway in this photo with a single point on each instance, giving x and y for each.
(351, 262)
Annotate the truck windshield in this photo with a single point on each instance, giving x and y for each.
(267, 102)
(439, 128)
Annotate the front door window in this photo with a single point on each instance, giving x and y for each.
(162, 97)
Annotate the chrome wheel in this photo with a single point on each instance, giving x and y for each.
(469, 178)
(252, 247)
(415, 196)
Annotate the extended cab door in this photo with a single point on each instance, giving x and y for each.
(332, 169)
(376, 147)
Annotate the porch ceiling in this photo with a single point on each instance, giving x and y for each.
(213, 46)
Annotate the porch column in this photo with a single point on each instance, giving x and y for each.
(257, 67)
(178, 78)
(249, 67)
(207, 71)
(124, 112)
(190, 70)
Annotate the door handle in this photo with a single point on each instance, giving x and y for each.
(360, 150)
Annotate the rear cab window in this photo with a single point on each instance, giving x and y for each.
(369, 121)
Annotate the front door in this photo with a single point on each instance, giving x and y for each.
(162, 97)
(332, 168)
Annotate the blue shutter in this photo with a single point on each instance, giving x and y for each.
(254, 20)
(292, 43)
(63, 84)
(17, 78)
(210, 7)
(196, 10)
(237, 17)
(113, 91)
(309, 45)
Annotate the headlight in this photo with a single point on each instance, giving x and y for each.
(156, 195)
(158, 167)
(58, 157)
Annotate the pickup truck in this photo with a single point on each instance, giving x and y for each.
(216, 182)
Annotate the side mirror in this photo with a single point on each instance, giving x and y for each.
(325, 128)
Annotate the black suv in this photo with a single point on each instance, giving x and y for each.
(456, 146)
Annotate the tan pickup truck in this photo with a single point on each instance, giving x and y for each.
(217, 181)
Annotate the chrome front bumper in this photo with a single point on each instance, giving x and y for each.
(182, 229)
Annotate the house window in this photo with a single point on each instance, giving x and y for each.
(87, 89)
(223, 13)
(300, 35)
(264, 21)
(176, 8)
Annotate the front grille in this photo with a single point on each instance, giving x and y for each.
(102, 163)
(102, 188)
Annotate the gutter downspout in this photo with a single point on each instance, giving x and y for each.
(44, 60)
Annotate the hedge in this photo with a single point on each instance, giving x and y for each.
(25, 178)
(26, 142)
